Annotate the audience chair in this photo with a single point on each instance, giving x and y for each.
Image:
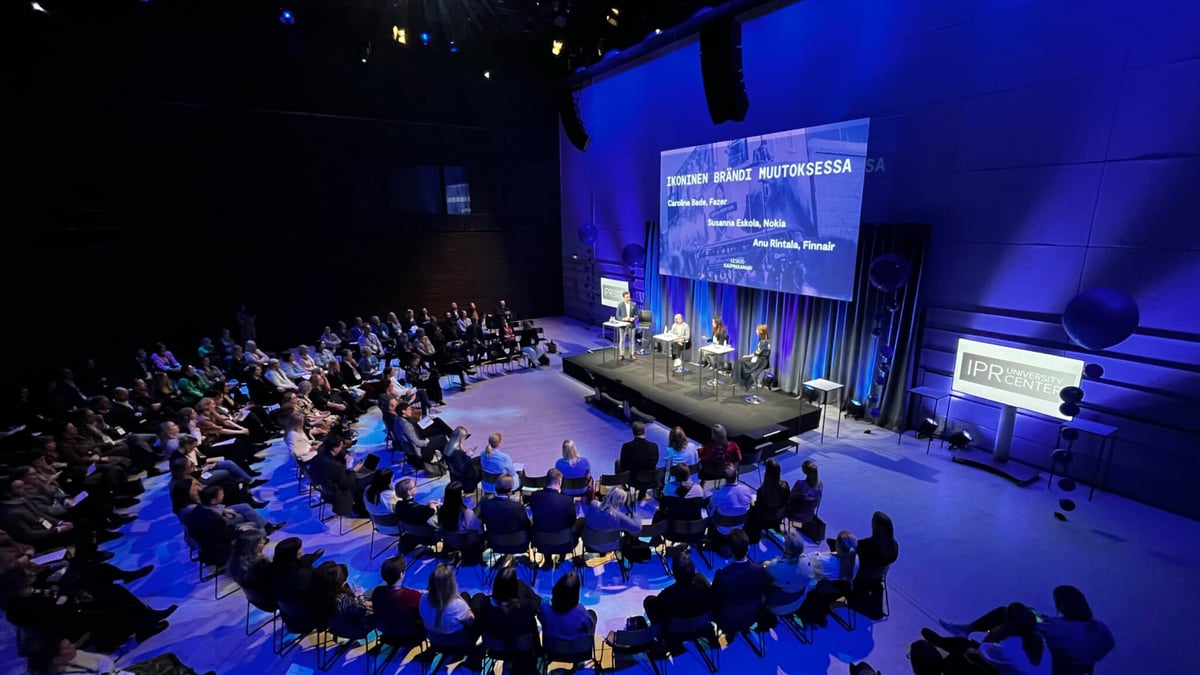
(576, 487)
(446, 646)
(640, 641)
(645, 326)
(296, 618)
(803, 632)
(843, 601)
(507, 544)
(734, 522)
(871, 581)
(509, 651)
(488, 483)
(612, 480)
(559, 546)
(770, 523)
(699, 631)
(574, 652)
(264, 602)
(406, 636)
(688, 534)
(604, 543)
(453, 545)
(645, 479)
(423, 539)
(340, 518)
(742, 618)
(388, 520)
(531, 484)
(751, 461)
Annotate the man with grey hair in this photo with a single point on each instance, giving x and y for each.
(682, 333)
(503, 514)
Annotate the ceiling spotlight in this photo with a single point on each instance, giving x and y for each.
(425, 39)
(556, 47)
(366, 52)
(658, 31)
(400, 35)
(487, 74)
(928, 426)
(286, 17)
(453, 47)
(37, 7)
(960, 439)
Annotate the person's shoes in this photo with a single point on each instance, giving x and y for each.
(129, 577)
(256, 483)
(154, 471)
(261, 446)
(144, 634)
(931, 637)
(257, 504)
(101, 556)
(162, 614)
(955, 629)
(633, 357)
(272, 528)
(254, 473)
(621, 357)
(124, 502)
(309, 558)
(117, 519)
(440, 403)
(103, 536)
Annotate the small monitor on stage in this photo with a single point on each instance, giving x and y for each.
(1016, 377)
(611, 291)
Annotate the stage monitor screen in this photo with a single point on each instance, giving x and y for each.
(778, 212)
(611, 291)
(1016, 377)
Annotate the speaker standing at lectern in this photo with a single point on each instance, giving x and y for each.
(626, 311)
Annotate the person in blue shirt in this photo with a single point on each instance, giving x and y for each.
(495, 460)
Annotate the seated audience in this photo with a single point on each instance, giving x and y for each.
(454, 516)
(463, 463)
(1075, 638)
(790, 576)
(349, 613)
(396, 607)
(689, 596)
(509, 613)
(718, 452)
(340, 485)
(1015, 647)
(610, 515)
(503, 514)
(552, 510)
(806, 494)
(495, 460)
(679, 450)
(771, 496)
(572, 465)
(380, 500)
(740, 583)
(638, 454)
(442, 610)
(731, 499)
(411, 512)
(562, 617)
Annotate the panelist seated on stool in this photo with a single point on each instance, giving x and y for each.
(682, 334)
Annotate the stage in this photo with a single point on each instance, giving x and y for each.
(681, 400)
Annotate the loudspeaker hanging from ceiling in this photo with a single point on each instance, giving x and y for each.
(721, 67)
(568, 111)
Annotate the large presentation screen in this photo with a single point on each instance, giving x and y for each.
(778, 212)
(1016, 377)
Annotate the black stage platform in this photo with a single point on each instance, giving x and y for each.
(680, 400)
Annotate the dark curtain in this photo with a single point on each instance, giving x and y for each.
(813, 337)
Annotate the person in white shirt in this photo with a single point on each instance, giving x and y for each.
(277, 377)
(305, 360)
(380, 499)
(682, 333)
(368, 342)
(626, 311)
(330, 338)
(297, 441)
(1014, 648)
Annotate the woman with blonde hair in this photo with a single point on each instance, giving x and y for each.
(442, 609)
(572, 465)
(610, 516)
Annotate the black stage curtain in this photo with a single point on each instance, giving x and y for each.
(814, 337)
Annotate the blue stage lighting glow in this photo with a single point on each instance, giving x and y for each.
(424, 38)
(286, 17)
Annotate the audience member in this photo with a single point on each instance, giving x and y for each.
(718, 452)
(562, 617)
(496, 461)
(552, 511)
(396, 607)
(1015, 647)
(442, 610)
(638, 454)
(572, 465)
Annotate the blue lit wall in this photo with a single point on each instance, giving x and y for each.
(1053, 146)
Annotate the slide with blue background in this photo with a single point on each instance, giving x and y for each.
(778, 212)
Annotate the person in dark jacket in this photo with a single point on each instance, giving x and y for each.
(341, 486)
(638, 454)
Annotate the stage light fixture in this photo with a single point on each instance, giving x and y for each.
(425, 39)
(556, 47)
(960, 439)
(37, 7)
(487, 74)
(453, 47)
(400, 35)
(855, 409)
(286, 17)
(614, 16)
(928, 427)
(365, 54)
